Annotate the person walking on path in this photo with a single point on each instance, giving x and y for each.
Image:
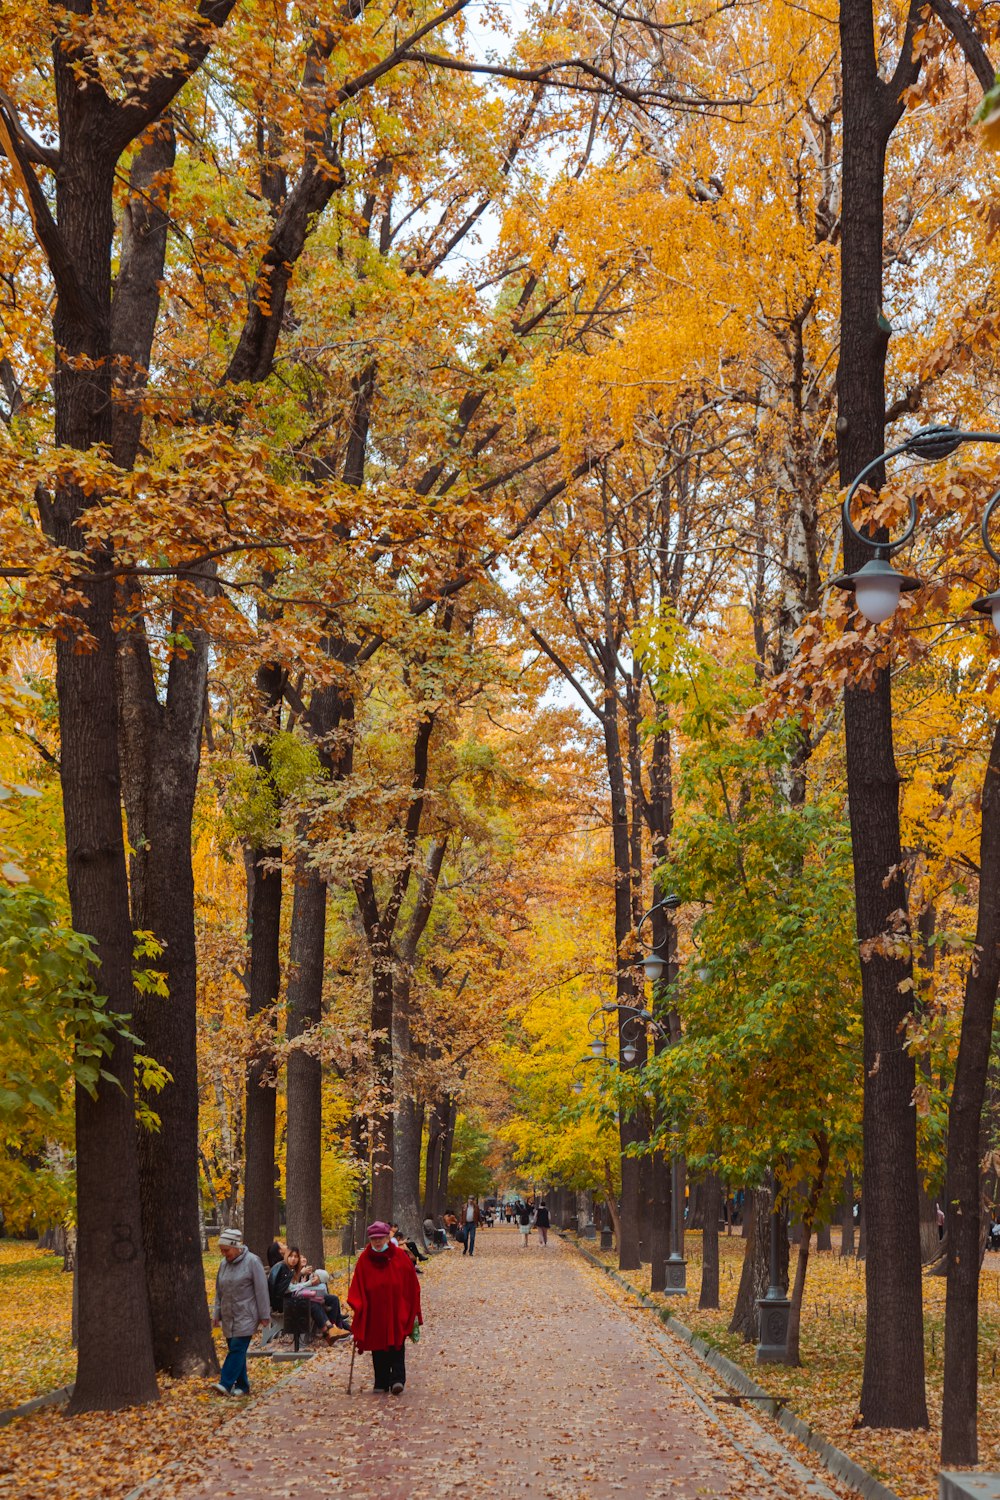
(385, 1298)
(543, 1223)
(242, 1305)
(524, 1223)
(471, 1223)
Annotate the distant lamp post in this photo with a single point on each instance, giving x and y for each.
(774, 1308)
(877, 585)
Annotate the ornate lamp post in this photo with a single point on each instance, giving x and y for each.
(877, 585)
(774, 1307)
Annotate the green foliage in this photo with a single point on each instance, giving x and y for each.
(55, 1033)
(254, 794)
(339, 1182)
(768, 1060)
(469, 1171)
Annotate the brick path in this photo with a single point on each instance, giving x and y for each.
(528, 1381)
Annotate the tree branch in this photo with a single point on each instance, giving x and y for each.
(967, 38)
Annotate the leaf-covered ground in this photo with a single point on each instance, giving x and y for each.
(531, 1379)
(825, 1390)
(499, 1336)
(97, 1457)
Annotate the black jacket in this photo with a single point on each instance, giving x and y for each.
(542, 1218)
(278, 1281)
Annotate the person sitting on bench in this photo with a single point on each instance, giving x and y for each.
(398, 1238)
(434, 1235)
(320, 1279)
(286, 1278)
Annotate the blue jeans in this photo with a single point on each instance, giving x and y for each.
(470, 1239)
(234, 1367)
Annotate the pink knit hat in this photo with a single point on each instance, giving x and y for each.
(378, 1230)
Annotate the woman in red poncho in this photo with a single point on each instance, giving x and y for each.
(385, 1299)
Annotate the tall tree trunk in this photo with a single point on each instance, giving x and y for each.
(260, 1106)
(630, 1128)
(447, 1142)
(755, 1276)
(959, 1438)
(381, 1129)
(303, 1159)
(409, 1121)
(847, 1215)
(432, 1169)
(611, 1202)
(930, 1240)
(802, 1261)
(161, 755)
(892, 1393)
(264, 929)
(659, 1243)
(711, 1202)
(115, 1358)
(406, 1183)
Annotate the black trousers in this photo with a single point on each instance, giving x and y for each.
(390, 1367)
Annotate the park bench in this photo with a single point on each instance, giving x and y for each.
(297, 1321)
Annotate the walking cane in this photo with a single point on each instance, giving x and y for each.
(350, 1257)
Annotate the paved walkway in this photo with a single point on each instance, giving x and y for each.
(529, 1380)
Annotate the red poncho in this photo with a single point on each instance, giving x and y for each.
(384, 1297)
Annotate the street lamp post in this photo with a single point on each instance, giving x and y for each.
(774, 1307)
(877, 585)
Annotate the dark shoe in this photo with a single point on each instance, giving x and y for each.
(397, 1388)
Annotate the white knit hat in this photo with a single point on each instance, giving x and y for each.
(230, 1237)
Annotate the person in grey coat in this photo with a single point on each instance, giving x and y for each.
(242, 1305)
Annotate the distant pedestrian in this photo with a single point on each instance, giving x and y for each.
(471, 1222)
(543, 1223)
(385, 1299)
(524, 1223)
(242, 1305)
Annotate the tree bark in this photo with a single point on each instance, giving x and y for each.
(304, 1078)
(755, 1276)
(160, 753)
(711, 1207)
(115, 1361)
(629, 1129)
(265, 889)
(847, 1215)
(959, 1436)
(892, 1393)
(409, 1117)
(792, 1353)
(930, 1240)
(432, 1169)
(447, 1142)
(612, 1203)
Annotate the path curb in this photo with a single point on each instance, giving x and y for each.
(51, 1398)
(834, 1460)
